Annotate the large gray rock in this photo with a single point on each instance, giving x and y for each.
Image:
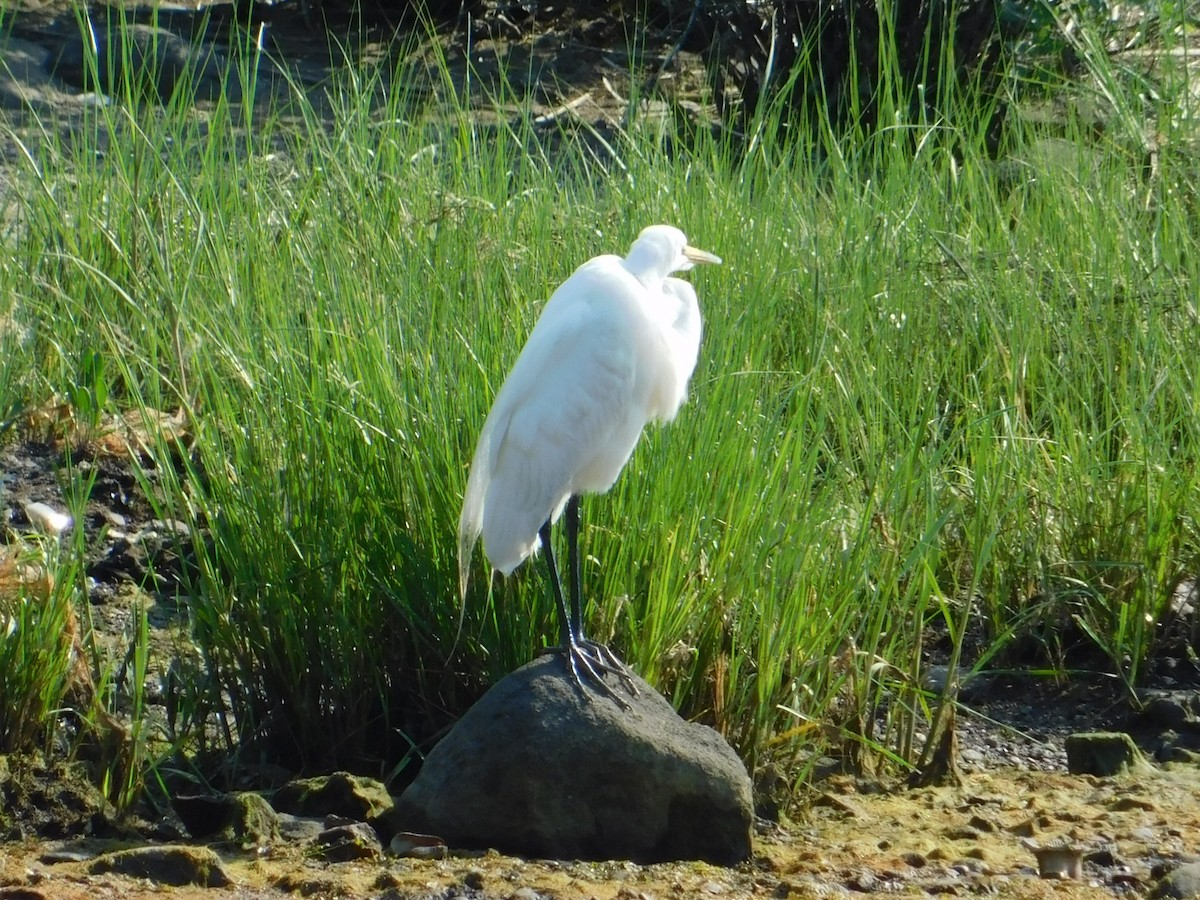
(538, 769)
(24, 81)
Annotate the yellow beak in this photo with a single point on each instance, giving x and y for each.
(700, 256)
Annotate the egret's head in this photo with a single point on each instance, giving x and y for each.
(661, 250)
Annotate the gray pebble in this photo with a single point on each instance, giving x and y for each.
(1182, 882)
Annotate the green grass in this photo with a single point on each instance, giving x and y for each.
(36, 653)
(932, 395)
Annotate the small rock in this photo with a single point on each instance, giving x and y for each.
(980, 824)
(1180, 755)
(418, 846)
(962, 833)
(1102, 753)
(68, 855)
(972, 864)
(46, 519)
(304, 884)
(115, 519)
(1057, 861)
(299, 829)
(244, 817)
(1125, 804)
(1166, 711)
(344, 843)
(839, 803)
(176, 866)
(772, 790)
(24, 82)
(949, 887)
(936, 679)
(473, 880)
(388, 882)
(1025, 828)
(1182, 883)
(864, 882)
(1104, 858)
(353, 797)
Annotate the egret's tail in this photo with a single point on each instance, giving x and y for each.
(467, 538)
(470, 522)
(470, 526)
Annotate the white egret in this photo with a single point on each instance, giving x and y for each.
(612, 350)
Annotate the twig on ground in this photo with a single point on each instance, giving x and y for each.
(555, 114)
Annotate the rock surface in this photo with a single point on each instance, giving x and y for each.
(539, 769)
(342, 843)
(1102, 753)
(174, 865)
(353, 797)
(244, 817)
(1182, 883)
(154, 61)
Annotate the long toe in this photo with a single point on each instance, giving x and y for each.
(586, 665)
(610, 662)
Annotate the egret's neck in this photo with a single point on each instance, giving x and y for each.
(646, 267)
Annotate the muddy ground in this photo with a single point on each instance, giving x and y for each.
(1118, 835)
(1108, 836)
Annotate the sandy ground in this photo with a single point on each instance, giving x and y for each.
(979, 838)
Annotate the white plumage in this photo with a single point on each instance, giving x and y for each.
(612, 350)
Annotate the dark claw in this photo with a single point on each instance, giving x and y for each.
(611, 663)
(591, 661)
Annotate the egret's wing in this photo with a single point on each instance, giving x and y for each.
(470, 521)
(560, 423)
(682, 333)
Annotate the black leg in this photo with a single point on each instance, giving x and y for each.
(576, 655)
(556, 585)
(575, 567)
(584, 658)
(599, 654)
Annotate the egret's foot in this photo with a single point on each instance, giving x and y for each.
(590, 661)
(612, 664)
